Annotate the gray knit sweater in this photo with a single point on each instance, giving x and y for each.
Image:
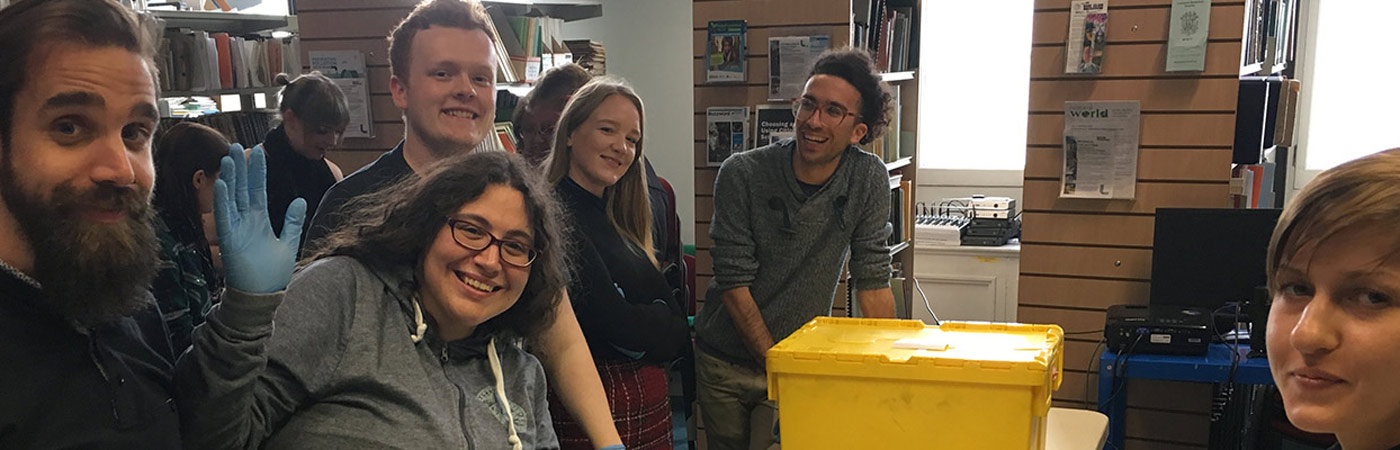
(341, 371)
(787, 248)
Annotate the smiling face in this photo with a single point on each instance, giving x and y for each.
(1334, 337)
(821, 138)
(463, 288)
(449, 97)
(605, 145)
(76, 176)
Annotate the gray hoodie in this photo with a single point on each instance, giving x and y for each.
(343, 370)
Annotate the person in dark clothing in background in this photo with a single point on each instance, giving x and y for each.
(85, 354)
(187, 163)
(628, 312)
(537, 114)
(314, 117)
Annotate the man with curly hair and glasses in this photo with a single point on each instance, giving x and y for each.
(786, 217)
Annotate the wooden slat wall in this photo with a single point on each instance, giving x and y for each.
(766, 18)
(358, 25)
(1081, 256)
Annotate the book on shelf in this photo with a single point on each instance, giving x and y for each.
(243, 127)
(195, 60)
(532, 45)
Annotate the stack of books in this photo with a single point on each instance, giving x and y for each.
(590, 55)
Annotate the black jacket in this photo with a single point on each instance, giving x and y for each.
(330, 215)
(63, 388)
(624, 306)
(291, 176)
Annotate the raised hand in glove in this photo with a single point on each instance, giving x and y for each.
(255, 260)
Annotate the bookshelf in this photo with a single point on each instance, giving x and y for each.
(228, 22)
(845, 22)
(256, 27)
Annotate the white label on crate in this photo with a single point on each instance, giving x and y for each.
(1160, 338)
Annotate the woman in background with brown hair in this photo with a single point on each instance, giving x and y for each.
(1334, 325)
(314, 116)
(187, 285)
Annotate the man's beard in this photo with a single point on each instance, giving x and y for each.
(90, 272)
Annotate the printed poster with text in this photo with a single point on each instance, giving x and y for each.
(1101, 150)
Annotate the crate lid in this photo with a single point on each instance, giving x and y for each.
(973, 352)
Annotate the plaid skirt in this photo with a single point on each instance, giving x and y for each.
(641, 410)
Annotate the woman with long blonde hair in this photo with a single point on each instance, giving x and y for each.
(631, 318)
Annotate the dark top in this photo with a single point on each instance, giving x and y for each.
(389, 168)
(666, 247)
(291, 176)
(183, 287)
(625, 307)
(809, 189)
(105, 388)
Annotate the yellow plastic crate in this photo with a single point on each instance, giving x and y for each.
(898, 384)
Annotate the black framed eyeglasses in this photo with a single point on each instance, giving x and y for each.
(472, 237)
(832, 114)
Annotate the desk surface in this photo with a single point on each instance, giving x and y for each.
(1213, 367)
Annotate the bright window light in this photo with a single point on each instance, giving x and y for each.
(1350, 106)
(973, 90)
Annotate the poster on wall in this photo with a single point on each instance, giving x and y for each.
(1100, 150)
(773, 123)
(347, 69)
(726, 132)
(724, 50)
(789, 60)
(1186, 41)
(1088, 35)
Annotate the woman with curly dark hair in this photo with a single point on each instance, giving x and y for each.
(403, 329)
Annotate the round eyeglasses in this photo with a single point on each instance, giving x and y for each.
(832, 114)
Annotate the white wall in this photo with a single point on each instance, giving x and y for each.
(648, 44)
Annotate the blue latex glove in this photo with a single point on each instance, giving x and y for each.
(255, 261)
(614, 447)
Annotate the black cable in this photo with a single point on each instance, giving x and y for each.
(1119, 361)
(1090, 369)
(1068, 333)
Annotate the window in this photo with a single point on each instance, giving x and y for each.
(1347, 107)
(973, 90)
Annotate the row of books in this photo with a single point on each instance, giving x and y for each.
(532, 44)
(243, 127)
(886, 27)
(196, 60)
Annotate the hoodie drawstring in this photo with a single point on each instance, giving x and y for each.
(501, 392)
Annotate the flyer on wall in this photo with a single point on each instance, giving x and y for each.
(726, 132)
(724, 50)
(773, 123)
(1100, 150)
(1088, 36)
(347, 69)
(1186, 41)
(789, 60)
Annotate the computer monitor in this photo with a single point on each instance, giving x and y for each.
(1209, 257)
